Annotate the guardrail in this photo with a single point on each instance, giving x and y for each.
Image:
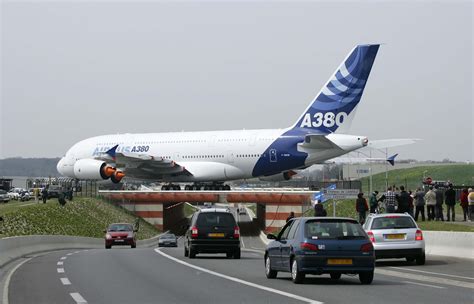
(448, 243)
(12, 248)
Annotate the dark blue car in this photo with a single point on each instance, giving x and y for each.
(320, 245)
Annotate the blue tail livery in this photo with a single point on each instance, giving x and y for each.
(391, 159)
(336, 101)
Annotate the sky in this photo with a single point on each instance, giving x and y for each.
(75, 69)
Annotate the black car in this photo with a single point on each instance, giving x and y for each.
(168, 240)
(321, 245)
(212, 230)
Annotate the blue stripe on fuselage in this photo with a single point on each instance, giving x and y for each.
(287, 155)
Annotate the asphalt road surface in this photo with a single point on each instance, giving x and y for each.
(164, 275)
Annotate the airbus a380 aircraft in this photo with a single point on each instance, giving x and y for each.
(214, 157)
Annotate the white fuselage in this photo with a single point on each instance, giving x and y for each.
(209, 155)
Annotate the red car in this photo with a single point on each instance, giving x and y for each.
(120, 234)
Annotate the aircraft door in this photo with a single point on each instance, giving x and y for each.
(273, 156)
(176, 156)
(230, 157)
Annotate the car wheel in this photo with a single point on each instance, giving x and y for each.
(335, 275)
(366, 277)
(108, 247)
(186, 252)
(228, 255)
(269, 272)
(296, 276)
(410, 259)
(420, 260)
(237, 254)
(192, 253)
(134, 246)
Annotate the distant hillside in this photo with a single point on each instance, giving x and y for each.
(28, 167)
(458, 174)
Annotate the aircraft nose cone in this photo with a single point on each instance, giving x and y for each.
(365, 141)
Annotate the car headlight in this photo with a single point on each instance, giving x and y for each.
(108, 236)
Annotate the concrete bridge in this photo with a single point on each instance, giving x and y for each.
(165, 208)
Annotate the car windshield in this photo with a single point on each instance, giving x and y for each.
(120, 227)
(215, 219)
(168, 237)
(393, 222)
(333, 229)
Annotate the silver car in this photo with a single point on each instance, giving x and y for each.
(4, 198)
(396, 235)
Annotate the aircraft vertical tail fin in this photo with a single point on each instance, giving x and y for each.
(333, 107)
(391, 159)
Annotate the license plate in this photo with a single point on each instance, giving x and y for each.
(339, 261)
(395, 236)
(216, 234)
(119, 240)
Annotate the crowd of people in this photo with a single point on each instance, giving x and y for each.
(398, 200)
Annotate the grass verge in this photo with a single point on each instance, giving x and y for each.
(81, 217)
(189, 209)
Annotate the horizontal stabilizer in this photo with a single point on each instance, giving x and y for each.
(318, 142)
(389, 143)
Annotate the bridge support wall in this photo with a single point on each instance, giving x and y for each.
(149, 211)
(276, 215)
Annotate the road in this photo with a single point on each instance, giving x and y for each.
(164, 275)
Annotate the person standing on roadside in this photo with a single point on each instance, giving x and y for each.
(44, 194)
(439, 204)
(390, 200)
(36, 194)
(403, 201)
(470, 200)
(450, 200)
(319, 210)
(292, 215)
(373, 201)
(464, 203)
(419, 198)
(411, 207)
(361, 207)
(430, 199)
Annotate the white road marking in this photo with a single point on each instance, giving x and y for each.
(70, 253)
(60, 270)
(243, 244)
(78, 298)
(217, 274)
(259, 251)
(438, 273)
(424, 278)
(65, 281)
(77, 251)
(63, 258)
(7, 280)
(60, 263)
(421, 284)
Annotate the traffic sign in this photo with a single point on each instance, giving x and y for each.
(340, 193)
